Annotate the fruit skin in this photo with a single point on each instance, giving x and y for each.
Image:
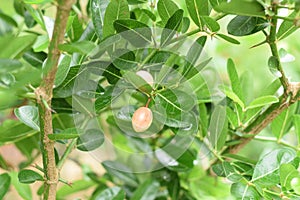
(142, 119)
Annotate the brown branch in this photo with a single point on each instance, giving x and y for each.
(44, 95)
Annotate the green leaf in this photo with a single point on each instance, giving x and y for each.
(66, 134)
(90, 140)
(116, 9)
(245, 25)
(137, 33)
(36, 15)
(9, 20)
(287, 173)
(227, 38)
(42, 42)
(262, 101)
(225, 169)
(62, 71)
(287, 27)
(113, 193)
(230, 94)
(273, 64)
(15, 46)
(23, 189)
(166, 8)
(241, 7)
(196, 9)
(146, 191)
(37, 1)
(171, 27)
(29, 115)
(244, 191)
(282, 123)
(295, 183)
(218, 127)
(210, 23)
(4, 184)
(35, 59)
(121, 172)
(98, 8)
(28, 176)
(83, 47)
(266, 171)
(297, 126)
(77, 186)
(138, 82)
(9, 65)
(234, 79)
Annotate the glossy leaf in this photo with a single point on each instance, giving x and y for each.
(262, 101)
(245, 25)
(225, 169)
(28, 176)
(36, 59)
(121, 172)
(171, 27)
(166, 8)
(287, 27)
(113, 193)
(266, 171)
(29, 116)
(4, 184)
(62, 71)
(98, 9)
(138, 82)
(197, 8)
(82, 47)
(234, 97)
(244, 191)
(210, 23)
(90, 140)
(116, 9)
(241, 7)
(137, 33)
(146, 191)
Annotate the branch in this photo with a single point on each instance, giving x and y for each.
(44, 95)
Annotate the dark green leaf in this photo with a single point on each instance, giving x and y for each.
(225, 169)
(36, 59)
(62, 71)
(241, 7)
(28, 176)
(171, 27)
(197, 9)
(210, 23)
(121, 172)
(137, 33)
(228, 39)
(4, 184)
(146, 191)
(28, 115)
(116, 9)
(9, 20)
(98, 8)
(166, 8)
(245, 25)
(266, 171)
(90, 140)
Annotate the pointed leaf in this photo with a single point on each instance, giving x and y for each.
(227, 38)
(234, 79)
(4, 184)
(28, 176)
(28, 115)
(146, 191)
(287, 27)
(197, 8)
(98, 8)
(262, 101)
(166, 8)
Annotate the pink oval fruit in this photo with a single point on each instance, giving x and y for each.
(142, 119)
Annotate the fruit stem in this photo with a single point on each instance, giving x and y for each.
(147, 104)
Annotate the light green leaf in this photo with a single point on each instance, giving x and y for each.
(77, 186)
(225, 169)
(37, 1)
(241, 7)
(166, 8)
(4, 184)
(63, 69)
(113, 193)
(90, 140)
(196, 9)
(230, 94)
(282, 123)
(210, 23)
(287, 173)
(37, 15)
(41, 43)
(28, 115)
(28, 176)
(244, 191)
(116, 9)
(295, 183)
(266, 171)
(23, 189)
(227, 38)
(9, 65)
(138, 82)
(297, 126)
(234, 79)
(287, 27)
(66, 134)
(83, 47)
(262, 101)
